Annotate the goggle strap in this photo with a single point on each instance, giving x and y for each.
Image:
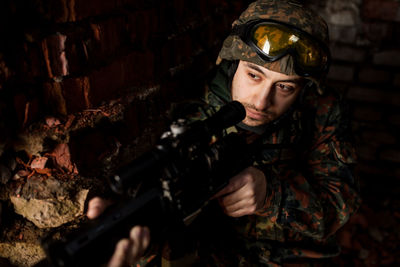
(239, 30)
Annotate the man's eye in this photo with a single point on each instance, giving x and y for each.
(285, 88)
(253, 76)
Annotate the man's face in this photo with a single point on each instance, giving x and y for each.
(265, 94)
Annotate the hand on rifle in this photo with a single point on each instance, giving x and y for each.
(245, 194)
(128, 250)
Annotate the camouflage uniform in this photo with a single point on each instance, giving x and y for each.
(311, 189)
(307, 161)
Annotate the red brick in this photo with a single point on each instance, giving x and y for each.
(139, 4)
(347, 53)
(202, 65)
(187, 13)
(34, 110)
(396, 34)
(396, 173)
(218, 4)
(53, 98)
(145, 109)
(341, 73)
(54, 55)
(33, 65)
(130, 70)
(5, 72)
(27, 62)
(394, 119)
(184, 49)
(367, 152)
(238, 6)
(27, 109)
(361, 126)
(168, 94)
(76, 94)
(370, 75)
(132, 122)
(107, 37)
(377, 32)
(61, 11)
(141, 25)
(139, 67)
(343, 34)
(164, 18)
(392, 155)
(95, 43)
(88, 8)
(20, 105)
(55, 10)
(74, 10)
(381, 9)
(105, 82)
(370, 95)
(166, 58)
(169, 90)
(396, 82)
(388, 58)
(205, 8)
(76, 55)
(366, 114)
(378, 138)
(373, 168)
(179, 9)
(341, 12)
(209, 34)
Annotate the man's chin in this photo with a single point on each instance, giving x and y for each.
(254, 123)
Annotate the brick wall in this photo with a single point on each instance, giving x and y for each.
(85, 86)
(366, 62)
(365, 45)
(64, 57)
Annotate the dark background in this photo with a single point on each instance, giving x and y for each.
(60, 58)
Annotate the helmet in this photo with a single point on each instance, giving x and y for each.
(282, 36)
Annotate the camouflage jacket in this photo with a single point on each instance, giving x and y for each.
(311, 192)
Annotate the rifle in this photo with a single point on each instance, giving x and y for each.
(164, 188)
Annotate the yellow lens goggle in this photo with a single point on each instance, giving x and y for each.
(273, 40)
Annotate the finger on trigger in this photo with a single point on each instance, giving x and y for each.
(136, 235)
(96, 207)
(121, 250)
(235, 183)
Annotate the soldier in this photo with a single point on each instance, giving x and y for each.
(286, 207)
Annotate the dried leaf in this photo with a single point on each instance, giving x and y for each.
(71, 119)
(23, 173)
(39, 163)
(62, 156)
(45, 171)
(52, 122)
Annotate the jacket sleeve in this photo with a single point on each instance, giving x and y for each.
(318, 198)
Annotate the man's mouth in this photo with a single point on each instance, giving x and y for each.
(255, 115)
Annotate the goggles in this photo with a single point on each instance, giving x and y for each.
(272, 40)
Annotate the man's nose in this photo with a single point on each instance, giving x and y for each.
(263, 99)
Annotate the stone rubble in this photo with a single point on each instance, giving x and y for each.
(48, 203)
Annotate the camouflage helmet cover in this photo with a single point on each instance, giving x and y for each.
(289, 12)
